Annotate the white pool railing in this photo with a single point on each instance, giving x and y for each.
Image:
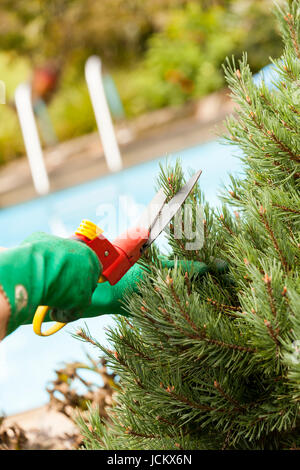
(31, 138)
(93, 75)
(26, 115)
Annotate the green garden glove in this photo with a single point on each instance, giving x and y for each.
(195, 267)
(107, 299)
(47, 270)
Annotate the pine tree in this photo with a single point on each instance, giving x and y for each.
(213, 361)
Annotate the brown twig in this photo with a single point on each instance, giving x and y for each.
(286, 209)
(267, 280)
(274, 335)
(224, 308)
(290, 21)
(270, 134)
(262, 212)
(227, 397)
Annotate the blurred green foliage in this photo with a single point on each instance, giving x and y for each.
(159, 52)
(72, 29)
(184, 60)
(11, 142)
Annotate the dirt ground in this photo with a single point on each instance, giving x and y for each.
(40, 429)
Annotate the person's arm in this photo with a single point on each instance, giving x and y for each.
(4, 314)
(4, 311)
(45, 270)
(61, 273)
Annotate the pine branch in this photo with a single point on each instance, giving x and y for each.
(287, 209)
(184, 313)
(223, 308)
(291, 24)
(272, 137)
(267, 280)
(235, 347)
(192, 404)
(236, 404)
(262, 212)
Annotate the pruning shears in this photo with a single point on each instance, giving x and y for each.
(119, 256)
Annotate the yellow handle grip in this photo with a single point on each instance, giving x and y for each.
(40, 314)
(38, 319)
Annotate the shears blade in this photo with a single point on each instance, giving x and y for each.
(149, 216)
(167, 212)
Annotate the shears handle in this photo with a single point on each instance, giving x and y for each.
(116, 259)
(38, 319)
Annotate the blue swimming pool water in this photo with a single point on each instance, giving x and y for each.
(27, 362)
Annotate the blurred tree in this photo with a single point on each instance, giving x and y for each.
(183, 60)
(160, 53)
(59, 28)
(116, 29)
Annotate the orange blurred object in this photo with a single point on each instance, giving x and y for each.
(44, 81)
(178, 78)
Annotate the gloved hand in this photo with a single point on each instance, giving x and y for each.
(63, 273)
(47, 270)
(195, 267)
(107, 299)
